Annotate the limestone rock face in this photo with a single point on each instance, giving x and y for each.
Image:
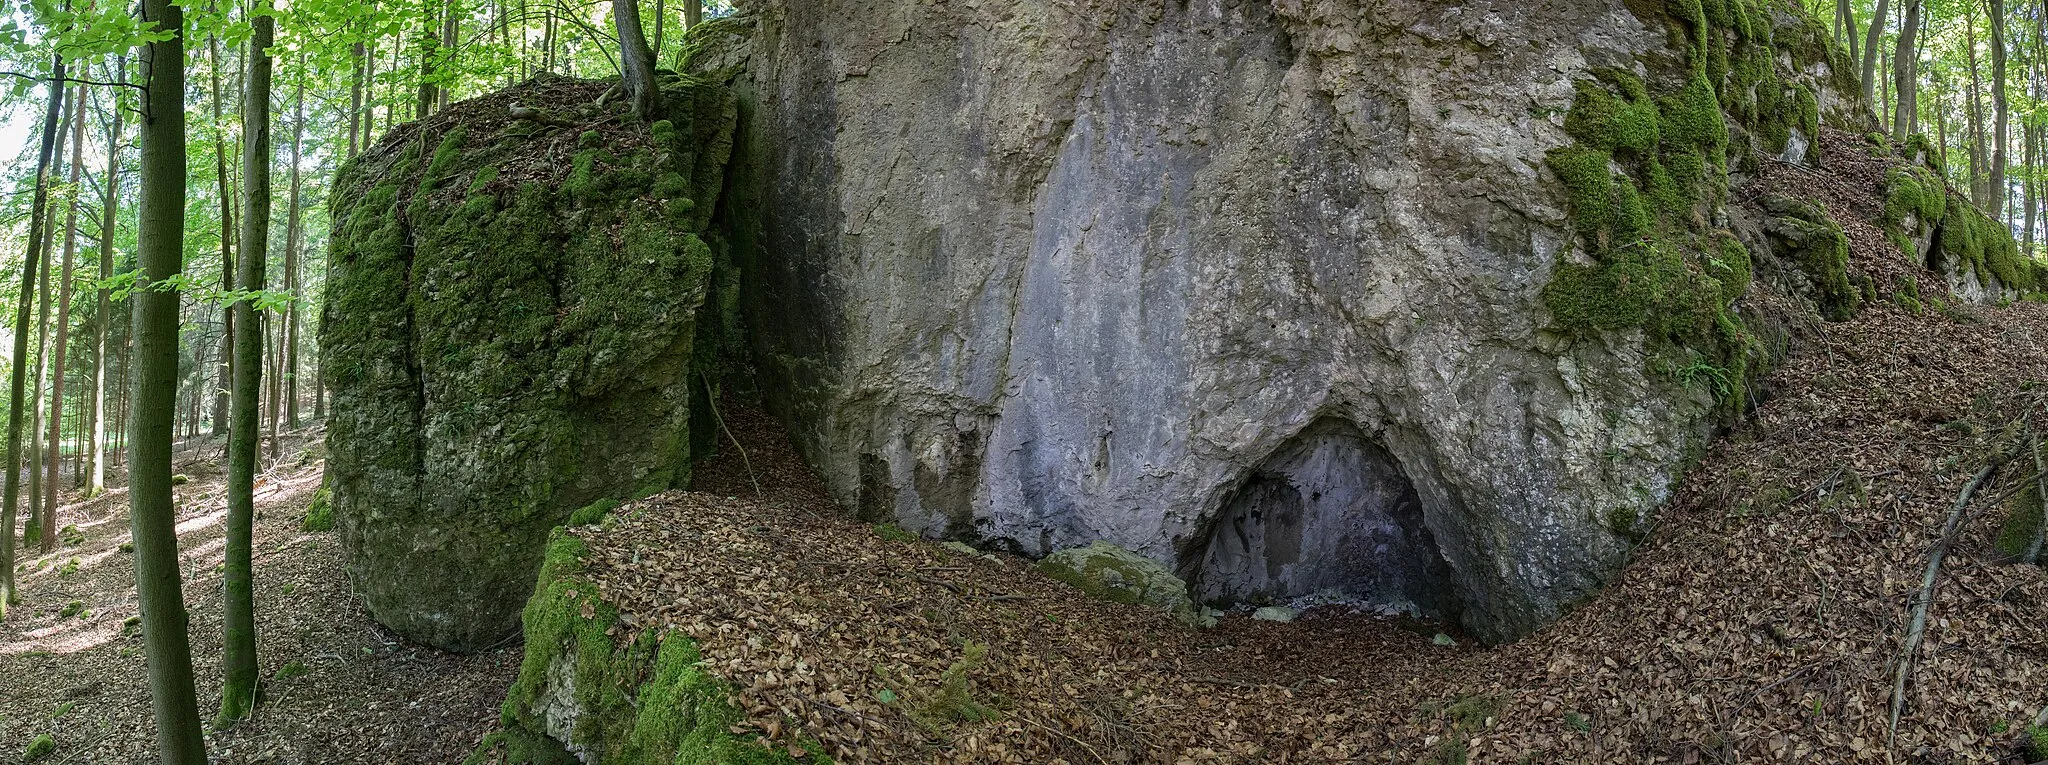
(1254, 288)
(517, 318)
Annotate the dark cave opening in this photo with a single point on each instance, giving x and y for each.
(1330, 512)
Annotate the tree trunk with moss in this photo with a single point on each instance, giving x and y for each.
(161, 254)
(17, 398)
(238, 664)
(429, 45)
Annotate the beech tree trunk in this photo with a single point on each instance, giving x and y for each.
(1870, 41)
(58, 356)
(430, 44)
(160, 251)
(294, 238)
(636, 61)
(35, 457)
(1845, 19)
(17, 398)
(1980, 186)
(238, 660)
(224, 371)
(2000, 137)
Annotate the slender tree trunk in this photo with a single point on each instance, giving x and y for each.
(637, 61)
(660, 22)
(42, 360)
(238, 662)
(451, 29)
(294, 237)
(693, 14)
(17, 400)
(430, 44)
(2027, 133)
(355, 99)
(224, 371)
(547, 40)
(2001, 139)
(1870, 41)
(1845, 17)
(1980, 191)
(58, 366)
(160, 250)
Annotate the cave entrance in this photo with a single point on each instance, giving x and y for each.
(1330, 512)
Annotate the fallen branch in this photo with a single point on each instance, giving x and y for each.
(2040, 492)
(1925, 599)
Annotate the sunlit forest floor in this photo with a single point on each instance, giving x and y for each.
(341, 688)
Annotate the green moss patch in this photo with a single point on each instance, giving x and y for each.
(513, 334)
(642, 698)
(1646, 176)
(1970, 241)
(320, 511)
(39, 747)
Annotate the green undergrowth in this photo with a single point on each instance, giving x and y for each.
(644, 699)
(1466, 717)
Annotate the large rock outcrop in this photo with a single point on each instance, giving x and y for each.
(521, 316)
(1457, 279)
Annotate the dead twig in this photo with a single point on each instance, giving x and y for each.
(1917, 628)
(711, 396)
(1083, 744)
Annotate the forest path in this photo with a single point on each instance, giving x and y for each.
(341, 688)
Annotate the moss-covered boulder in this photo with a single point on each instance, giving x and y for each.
(522, 309)
(1113, 573)
(590, 689)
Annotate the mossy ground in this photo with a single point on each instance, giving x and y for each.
(640, 699)
(320, 512)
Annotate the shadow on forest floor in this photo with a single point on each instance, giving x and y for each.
(341, 688)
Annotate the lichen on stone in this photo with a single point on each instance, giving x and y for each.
(1112, 573)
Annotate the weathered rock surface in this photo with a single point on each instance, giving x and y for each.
(1112, 573)
(518, 318)
(1043, 274)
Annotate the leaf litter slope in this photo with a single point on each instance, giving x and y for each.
(1761, 621)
